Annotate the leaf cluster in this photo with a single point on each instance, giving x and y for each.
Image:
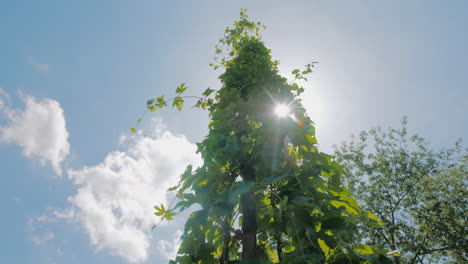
(303, 212)
(420, 194)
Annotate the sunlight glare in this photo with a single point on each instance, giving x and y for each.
(282, 110)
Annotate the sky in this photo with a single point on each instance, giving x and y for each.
(78, 187)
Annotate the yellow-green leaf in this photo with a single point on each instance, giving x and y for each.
(375, 218)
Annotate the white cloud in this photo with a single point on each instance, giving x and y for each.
(41, 240)
(115, 198)
(39, 129)
(38, 231)
(37, 65)
(3, 97)
(167, 249)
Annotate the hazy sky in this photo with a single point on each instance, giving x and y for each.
(75, 75)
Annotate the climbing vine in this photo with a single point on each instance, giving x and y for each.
(265, 193)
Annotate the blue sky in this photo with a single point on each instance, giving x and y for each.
(74, 76)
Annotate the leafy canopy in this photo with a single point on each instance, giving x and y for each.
(263, 180)
(419, 193)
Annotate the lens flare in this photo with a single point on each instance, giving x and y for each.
(282, 110)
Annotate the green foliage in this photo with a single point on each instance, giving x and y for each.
(178, 102)
(166, 214)
(420, 194)
(265, 193)
(181, 88)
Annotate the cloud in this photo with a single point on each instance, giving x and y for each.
(37, 65)
(41, 240)
(39, 129)
(3, 97)
(167, 249)
(38, 231)
(115, 198)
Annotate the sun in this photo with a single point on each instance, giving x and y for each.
(282, 110)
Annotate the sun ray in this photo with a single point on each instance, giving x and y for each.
(282, 110)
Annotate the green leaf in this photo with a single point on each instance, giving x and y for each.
(347, 207)
(314, 258)
(304, 201)
(207, 92)
(311, 139)
(366, 249)
(296, 71)
(181, 88)
(178, 103)
(283, 204)
(160, 101)
(160, 210)
(188, 200)
(374, 218)
(169, 215)
(239, 188)
(199, 103)
(204, 182)
(204, 104)
(133, 129)
(334, 223)
(274, 179)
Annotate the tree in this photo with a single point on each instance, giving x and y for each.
(419, 193)
(265, 193)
